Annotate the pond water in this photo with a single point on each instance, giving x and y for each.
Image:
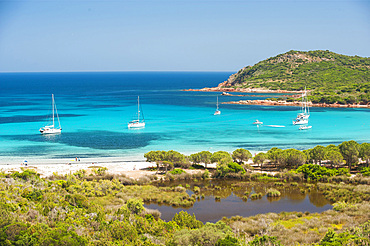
(231, 202)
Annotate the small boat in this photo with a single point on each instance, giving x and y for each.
(137, 123)
(217, 112)
(257, 122)
(51, 129)
(305, 127)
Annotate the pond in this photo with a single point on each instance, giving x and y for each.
(218, 199)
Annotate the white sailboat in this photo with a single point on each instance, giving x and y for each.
(51, 129)
(137, 123)
(217, 112)
(257, 122)
(302, 117)
(305, 127)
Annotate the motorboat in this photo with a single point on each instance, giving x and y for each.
(305, 127)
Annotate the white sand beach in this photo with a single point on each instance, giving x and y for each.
(46, 167)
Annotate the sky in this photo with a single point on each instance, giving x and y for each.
(173, 35)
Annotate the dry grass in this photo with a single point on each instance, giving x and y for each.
(300, 229)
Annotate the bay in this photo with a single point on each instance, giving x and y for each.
(95, 107)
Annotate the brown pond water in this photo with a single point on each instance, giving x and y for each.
(208, 209)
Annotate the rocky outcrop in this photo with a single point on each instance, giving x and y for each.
(285, 103)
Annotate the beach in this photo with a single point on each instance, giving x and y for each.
(46, 167)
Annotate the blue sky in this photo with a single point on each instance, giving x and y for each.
(172, 35)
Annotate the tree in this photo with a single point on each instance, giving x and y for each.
(318, 154)
(332, 147)
(167, 165)
(350, 151)
(308, 155)
(205, 157)
(241, 155)
(175, 157)
(334, 156)
(365, 153)
(155, 156)
(221, 157)
(294, 158)
(195, 158)
(273, 155)
(260, 158)
(201, 157)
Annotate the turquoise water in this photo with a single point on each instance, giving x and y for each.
(94, 110)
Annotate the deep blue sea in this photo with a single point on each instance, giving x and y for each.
(95, 107)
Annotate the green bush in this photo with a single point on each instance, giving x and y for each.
(273, 193)
(26, 175)
(316, 172)
(136, 206)
(365, 171)
(185, 220)
(177, 171)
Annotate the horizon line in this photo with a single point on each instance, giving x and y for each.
(115, 71)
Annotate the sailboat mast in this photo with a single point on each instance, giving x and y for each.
(305, 101)
(138, 109)
(52, 100)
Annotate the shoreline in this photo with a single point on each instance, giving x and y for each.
(272, 103)
(285, 103)
(246, 90)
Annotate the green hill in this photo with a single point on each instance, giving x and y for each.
(329, 76)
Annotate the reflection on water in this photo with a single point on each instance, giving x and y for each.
(232, 202)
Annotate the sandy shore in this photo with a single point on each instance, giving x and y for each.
(116, 165)
(46, 167)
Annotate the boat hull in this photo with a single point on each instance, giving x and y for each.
(136, 125)
(50, 130)
(300, 122)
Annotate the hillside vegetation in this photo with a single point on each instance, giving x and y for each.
(330, 77)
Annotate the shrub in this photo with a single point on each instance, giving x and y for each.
(256, 196)
(365, 171)
(205, 174)
(176, 171)
(316, 172)
(185, 220)
(136, 206)
(227, 241)
(264, 240)
(273, 193)
(26, 175)
(77, 200)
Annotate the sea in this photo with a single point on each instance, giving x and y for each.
(94, 109)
